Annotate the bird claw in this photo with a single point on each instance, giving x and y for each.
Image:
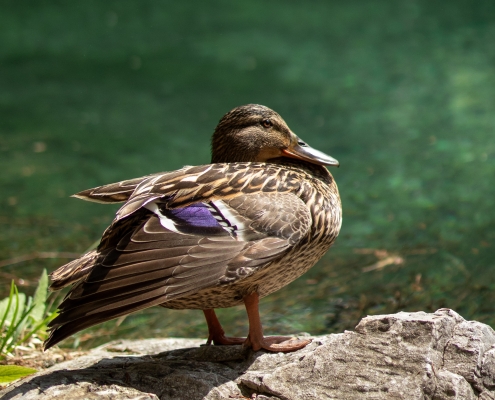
(222, 340)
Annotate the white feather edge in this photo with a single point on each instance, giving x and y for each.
(164, 221)
(236, 223)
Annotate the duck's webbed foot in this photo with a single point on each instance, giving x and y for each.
(284, 344)
(216, 334)
(257, 341)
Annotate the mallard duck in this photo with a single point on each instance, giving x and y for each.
(210, 236)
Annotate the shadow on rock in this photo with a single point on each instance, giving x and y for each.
(188, 373)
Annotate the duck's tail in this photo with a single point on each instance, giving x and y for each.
(73, 271)
(112, 193)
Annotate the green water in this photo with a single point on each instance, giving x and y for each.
(401, 92)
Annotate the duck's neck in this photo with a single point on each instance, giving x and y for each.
(316, 170)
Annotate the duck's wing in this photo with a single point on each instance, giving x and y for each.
(173, 239)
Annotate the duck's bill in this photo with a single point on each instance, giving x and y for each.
(304, 152)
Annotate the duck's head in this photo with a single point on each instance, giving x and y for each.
(257, 133)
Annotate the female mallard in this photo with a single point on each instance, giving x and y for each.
(211, 236)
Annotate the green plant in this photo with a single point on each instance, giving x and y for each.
(23, 321)
(9, 373)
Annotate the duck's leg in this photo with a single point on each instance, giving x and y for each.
(216, 333)
(257, 341)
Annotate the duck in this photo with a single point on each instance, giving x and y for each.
(231, 232)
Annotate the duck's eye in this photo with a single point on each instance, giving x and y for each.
(267, 123)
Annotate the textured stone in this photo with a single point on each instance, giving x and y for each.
(400, 356)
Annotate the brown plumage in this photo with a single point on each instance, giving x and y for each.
(209, 236)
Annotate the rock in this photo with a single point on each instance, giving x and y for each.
(400, 356)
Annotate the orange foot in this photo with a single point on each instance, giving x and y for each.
(284, 344)
(257, 341)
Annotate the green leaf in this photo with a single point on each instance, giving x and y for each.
(9, 373)
(39, 299)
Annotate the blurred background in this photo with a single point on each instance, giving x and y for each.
(401, 92)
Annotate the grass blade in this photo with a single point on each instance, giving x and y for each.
(5, 331)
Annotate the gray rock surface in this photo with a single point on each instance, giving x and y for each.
(399, 356)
